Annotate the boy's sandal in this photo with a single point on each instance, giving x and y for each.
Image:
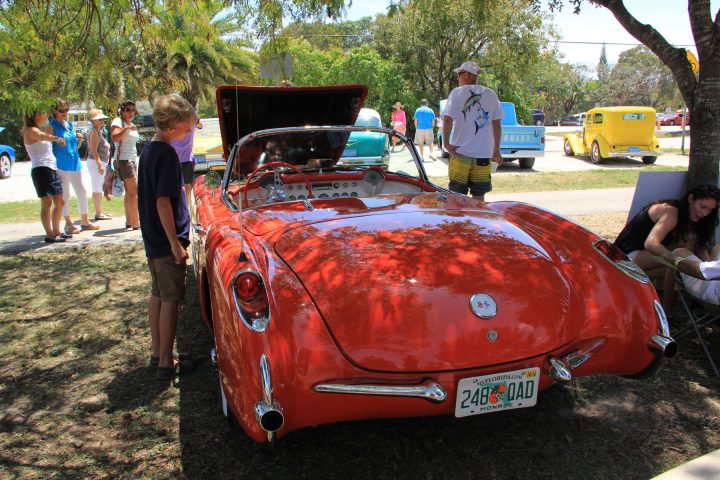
(65, 236)
(155, 361)
(181, 367)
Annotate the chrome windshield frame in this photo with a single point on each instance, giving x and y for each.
(297, 130)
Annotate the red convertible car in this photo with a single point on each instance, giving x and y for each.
(339, 291)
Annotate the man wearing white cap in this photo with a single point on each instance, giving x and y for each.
(473, 114)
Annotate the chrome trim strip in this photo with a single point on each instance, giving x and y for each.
(258, 325)
(428, 390)
(341, 128)
(265, 381)
(662, 319)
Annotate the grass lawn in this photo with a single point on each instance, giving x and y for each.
(551, 181)
(29, 210)
(77, 400)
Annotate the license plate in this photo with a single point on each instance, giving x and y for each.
(349, 153)
(633, 149)
(496, 392)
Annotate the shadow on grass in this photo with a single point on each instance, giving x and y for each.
(599, 427)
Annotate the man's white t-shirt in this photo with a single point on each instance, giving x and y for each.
(128, 144)
(473, 108)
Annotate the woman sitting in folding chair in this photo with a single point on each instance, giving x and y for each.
(664, 225)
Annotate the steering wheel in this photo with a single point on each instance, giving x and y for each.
(275, 165)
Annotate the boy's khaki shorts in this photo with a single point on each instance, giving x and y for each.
(168, 279)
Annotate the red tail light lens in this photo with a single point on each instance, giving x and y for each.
(610, 251)
(251, 300)
(616, 256)
(247, 286)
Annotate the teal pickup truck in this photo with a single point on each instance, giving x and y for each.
(519, 142)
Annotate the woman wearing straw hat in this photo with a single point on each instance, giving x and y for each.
(398, 120)
(98, 154)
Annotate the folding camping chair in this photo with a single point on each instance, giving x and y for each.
(700, 313)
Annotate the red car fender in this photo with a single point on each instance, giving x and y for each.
(593, 281)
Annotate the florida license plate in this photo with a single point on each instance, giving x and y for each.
(499, 391)
(350, 153)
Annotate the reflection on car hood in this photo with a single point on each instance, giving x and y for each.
(394, 286)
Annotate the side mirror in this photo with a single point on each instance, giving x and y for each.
(212, 179)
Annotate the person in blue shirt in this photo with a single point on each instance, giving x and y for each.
(69, 167)
(424, 125)
(165, 227)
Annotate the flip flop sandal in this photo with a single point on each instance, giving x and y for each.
(154, 361)
(65, 236)
(72, 230)
(169, 373)
(88, 227)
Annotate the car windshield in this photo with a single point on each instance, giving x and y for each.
(329, 149)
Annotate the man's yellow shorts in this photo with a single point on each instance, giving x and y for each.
(467, 173)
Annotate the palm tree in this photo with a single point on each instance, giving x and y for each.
(196, 46)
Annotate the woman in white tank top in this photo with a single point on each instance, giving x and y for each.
(44, 175)
(125, 136)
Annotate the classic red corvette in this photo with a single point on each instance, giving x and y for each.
(341, 291)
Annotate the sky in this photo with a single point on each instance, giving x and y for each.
(596, 25)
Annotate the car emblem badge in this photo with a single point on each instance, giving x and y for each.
(483, 305)
(492, 335)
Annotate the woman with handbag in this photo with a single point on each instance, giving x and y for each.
(125, 136)
(97, 161)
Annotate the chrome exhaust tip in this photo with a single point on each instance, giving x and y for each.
(558, 370)
(663, 345)
(269, 416)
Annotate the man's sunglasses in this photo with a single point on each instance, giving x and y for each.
(63, 110)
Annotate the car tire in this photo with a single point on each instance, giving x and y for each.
(526, 162)
(539, 123)
(649, 160)
(595, 155)
(671, 123)
(568, 148)
(5, 166)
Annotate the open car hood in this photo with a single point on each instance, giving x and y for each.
(245, 109)
(395, 290)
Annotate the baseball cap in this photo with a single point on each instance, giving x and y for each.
(470, 67)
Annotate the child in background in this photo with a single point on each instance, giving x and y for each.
(165, 224)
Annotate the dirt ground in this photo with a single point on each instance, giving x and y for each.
(77, 400)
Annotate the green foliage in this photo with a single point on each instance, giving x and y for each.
(639, 78)
(428, 38)
(362, 65)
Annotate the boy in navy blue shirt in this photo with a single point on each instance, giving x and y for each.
(165, 222)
